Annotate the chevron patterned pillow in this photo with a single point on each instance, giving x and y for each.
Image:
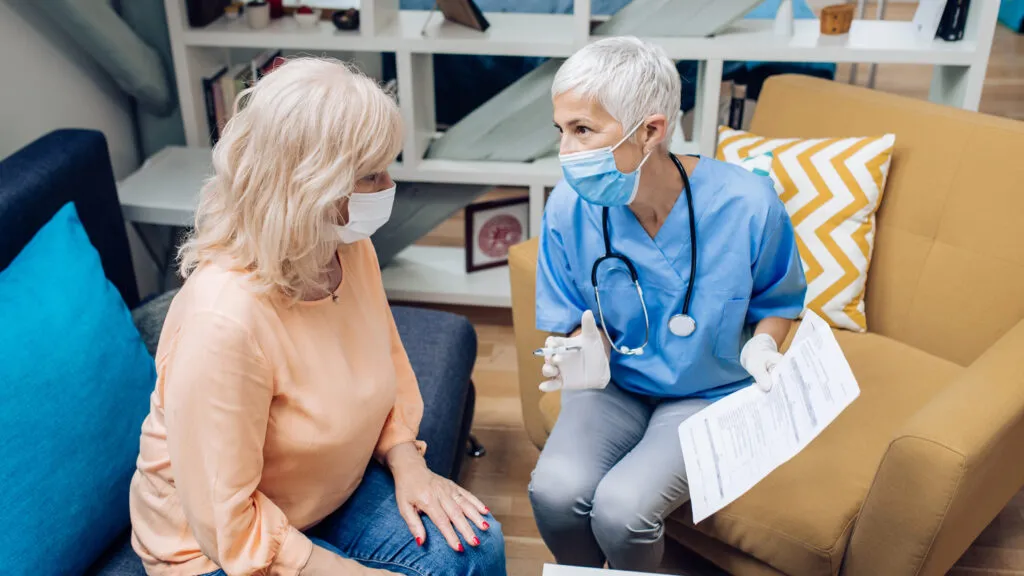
(832, 188)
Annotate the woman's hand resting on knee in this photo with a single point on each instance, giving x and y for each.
(418, 490)
(323, 562)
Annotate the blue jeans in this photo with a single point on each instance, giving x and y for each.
(369, 530)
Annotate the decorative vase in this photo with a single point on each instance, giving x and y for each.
(346, 19)
(257, 15)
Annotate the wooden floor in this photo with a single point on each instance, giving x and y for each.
(501, 477)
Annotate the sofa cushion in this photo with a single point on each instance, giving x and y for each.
(149, 319)
(120, 559)
(798, 519)
(76, 380)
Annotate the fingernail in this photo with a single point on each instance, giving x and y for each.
(419, 541)
(487, 510)
(476, 541)
(461, 549)
(487, 526)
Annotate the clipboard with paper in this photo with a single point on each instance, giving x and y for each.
(734, 443)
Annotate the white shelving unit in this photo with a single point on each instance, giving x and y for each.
(435, 274)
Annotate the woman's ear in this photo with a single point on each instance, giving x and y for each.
(653, 132)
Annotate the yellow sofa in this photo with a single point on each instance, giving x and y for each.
(905, 479)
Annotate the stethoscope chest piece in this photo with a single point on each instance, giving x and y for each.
(681, 325)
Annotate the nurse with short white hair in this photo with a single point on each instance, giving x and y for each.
(674, 280)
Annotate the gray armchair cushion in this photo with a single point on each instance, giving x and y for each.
(149, 319)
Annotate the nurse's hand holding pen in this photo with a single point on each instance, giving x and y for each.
(582, 364)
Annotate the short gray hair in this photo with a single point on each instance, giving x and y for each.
(630, 78)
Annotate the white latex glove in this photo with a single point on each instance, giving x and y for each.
(759, 356)
(582, 369)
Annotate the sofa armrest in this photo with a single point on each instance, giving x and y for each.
(442, 351)
(522, 262)
(948, 472)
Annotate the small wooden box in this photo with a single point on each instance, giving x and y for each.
(836, 19)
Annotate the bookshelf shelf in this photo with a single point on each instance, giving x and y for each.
(551, 35)
(509, 35)
(283, 33)
(433, 275)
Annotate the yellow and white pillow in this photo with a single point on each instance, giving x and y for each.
(761, 164)
(832, 188)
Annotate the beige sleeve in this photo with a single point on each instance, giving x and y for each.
(218, 393)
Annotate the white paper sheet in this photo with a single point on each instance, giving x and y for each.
(732, 444)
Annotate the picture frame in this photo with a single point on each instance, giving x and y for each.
(491, 228)
(464, 12)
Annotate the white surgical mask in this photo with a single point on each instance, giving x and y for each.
(366, 214)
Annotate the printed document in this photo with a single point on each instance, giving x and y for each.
(732, 444)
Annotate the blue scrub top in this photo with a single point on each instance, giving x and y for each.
(748, 269)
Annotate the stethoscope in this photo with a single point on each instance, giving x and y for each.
(681, 324)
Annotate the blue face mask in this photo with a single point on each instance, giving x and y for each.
(595, 177)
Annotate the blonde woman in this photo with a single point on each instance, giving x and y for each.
(281, 438)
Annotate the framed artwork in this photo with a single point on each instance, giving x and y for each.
(464, 12)
(491, 228)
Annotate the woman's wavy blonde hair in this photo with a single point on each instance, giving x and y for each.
(284, 165)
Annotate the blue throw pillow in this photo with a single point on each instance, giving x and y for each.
(1011, 13)
(75, 379)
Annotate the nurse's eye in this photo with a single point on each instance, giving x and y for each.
(582, 130)
(370, 178)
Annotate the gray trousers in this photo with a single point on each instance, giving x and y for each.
(609, 475)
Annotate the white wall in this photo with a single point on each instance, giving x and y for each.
(47, 83)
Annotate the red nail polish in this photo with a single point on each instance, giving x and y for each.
(487, 510)
(487, 526)
(461, 549)
(419, 541)
(476, 541)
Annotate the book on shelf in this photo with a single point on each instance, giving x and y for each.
(954, 19)
(265, 63)
(943, 19)
(222, 86)
(212, 94)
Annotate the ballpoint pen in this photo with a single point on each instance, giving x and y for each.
(556, 350)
